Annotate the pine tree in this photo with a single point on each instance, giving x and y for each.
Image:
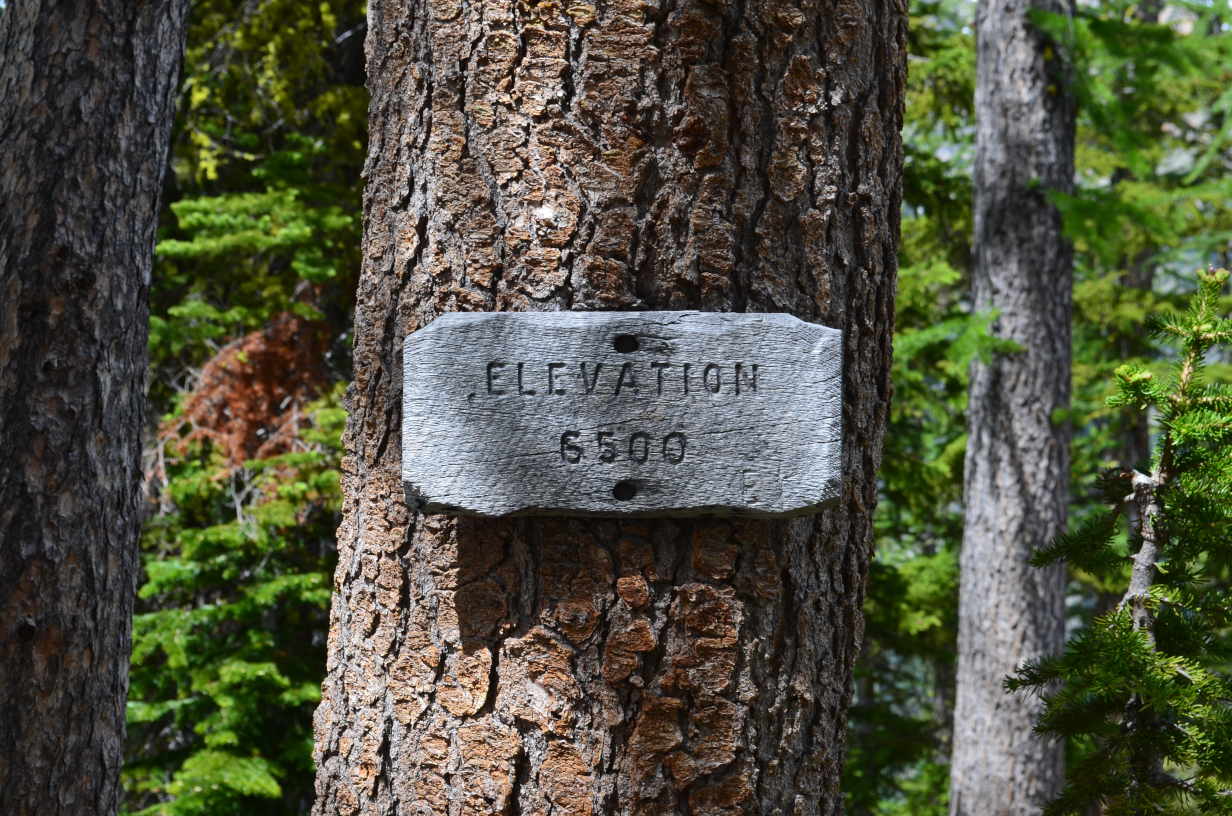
(683, 174)
(900, 719)
(87, 93)
(1147, 685)
(229, 642)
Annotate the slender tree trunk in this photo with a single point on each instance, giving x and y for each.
(87, 94)
(1017, 466)
(635, 156)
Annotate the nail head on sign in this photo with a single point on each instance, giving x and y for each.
(626, 343)
(551, 413)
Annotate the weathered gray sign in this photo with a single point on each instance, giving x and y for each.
(651, 413)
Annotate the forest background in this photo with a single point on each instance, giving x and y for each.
(258, 252)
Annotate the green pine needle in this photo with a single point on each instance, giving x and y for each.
(1147, 684)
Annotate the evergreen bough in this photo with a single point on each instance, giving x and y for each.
(1147, 687)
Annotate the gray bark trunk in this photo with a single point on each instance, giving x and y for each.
(1017, 465)
(87, 93)
(689, 155)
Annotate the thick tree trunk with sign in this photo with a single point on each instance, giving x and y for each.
(87, 97)
(1017, 466)
(633, 156)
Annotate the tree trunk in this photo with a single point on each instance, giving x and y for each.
(1017, 466)
(640, 156)
(87, 97)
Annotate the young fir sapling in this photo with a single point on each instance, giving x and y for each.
(1147, 686)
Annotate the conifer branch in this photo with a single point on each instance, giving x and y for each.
(1153, 697)
(1162, 780)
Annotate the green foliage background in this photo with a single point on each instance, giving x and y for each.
(261, 219)
(1152, 203)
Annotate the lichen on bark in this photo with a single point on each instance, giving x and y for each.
(632, 155)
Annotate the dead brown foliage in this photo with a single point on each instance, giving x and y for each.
(249, 400)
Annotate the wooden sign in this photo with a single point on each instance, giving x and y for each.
(601, 413)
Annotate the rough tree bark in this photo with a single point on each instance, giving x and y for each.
(1017, 465)
(87, 95)
(545, 156)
